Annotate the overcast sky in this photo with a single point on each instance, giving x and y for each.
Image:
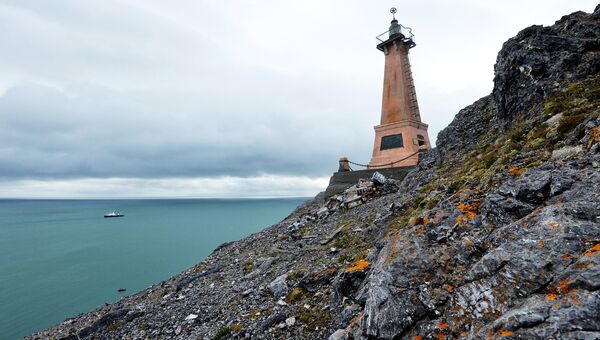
(214, 98)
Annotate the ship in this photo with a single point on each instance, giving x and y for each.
(114, 214)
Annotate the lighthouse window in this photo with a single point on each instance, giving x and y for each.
(421, 140)
(391, 142)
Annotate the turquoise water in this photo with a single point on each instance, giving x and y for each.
(59, 258)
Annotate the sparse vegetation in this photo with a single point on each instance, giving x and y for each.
(222, 333)
(314, 317)
(114, 326)
(568, 123)
(297, 294)
(294, 275)
(248, 267)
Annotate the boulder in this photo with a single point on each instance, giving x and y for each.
(278, 287)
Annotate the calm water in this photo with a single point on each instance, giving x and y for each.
(59, 258)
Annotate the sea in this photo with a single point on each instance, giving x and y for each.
(60, 258)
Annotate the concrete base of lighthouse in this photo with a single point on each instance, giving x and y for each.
(397, 144)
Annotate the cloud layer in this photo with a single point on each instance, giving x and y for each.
(189, 90)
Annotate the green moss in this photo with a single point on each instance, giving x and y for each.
(538, 132)
(538, 142)
(555, 106)
(578, 98)
(255, 314)
(297, 294)
(314, 318)
(593, 94)
(346, 240)
(114, 326)
(568, 123)
(403, 220)
(222, 333)
(534, 164)
(294, 275)
(455, 185)
(517, 134)
(236, 327)
(248, 266)
(344, 257)
(349, 243)
(419, 200)
(489, 159)
(432, 202)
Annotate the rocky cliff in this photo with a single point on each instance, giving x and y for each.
(495, 234)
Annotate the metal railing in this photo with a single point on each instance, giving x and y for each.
(405, 31)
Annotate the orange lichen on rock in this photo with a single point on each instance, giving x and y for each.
(421, 220)
(442, 325)
(420, 231)
(553, 225)
(395, 249)
(541, 244)
(469, 245)
(450, 288)
(392, 255)
(563, 287)
(439, 216)
(469, 212)
(583, 264)
(595, 137)
(358, 265)
(418, 337)
(515, 171)
(567, 256)
(574, 300)
(440, 336)
(357, 319)
(592, 251)
(394, 238)
(505, 333)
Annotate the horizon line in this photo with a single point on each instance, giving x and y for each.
(152, 198)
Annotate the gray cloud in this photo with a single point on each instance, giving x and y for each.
(51, 133)
(193, 89)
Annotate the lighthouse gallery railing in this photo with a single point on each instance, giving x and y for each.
(405, 31)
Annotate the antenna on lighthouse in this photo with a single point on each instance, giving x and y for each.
(393, 10)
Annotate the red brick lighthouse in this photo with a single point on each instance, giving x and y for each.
(401, 133)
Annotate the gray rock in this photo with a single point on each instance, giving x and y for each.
(265, 263)
(340, 334)
(278, 287)
(348, 313)
(276, 318)
(290, 321)
(534, 187)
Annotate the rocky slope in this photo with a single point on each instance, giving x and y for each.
(496, 234)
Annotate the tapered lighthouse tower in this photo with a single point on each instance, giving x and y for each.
(401, 133)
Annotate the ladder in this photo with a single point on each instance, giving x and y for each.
(412, 94)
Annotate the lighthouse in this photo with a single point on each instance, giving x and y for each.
(401, 134)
